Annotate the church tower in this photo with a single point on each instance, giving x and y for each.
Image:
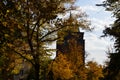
(73, 45)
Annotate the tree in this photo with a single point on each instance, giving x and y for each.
(27, 26)
(10, 64)
(113, 30)
(112, 69)
(61, 68)
(94, 71)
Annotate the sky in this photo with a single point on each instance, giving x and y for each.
(95, 46)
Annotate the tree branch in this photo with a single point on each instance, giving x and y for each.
(21, 55)
(50, 40)
(51, 32)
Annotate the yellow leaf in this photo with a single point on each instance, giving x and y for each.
(6, 35)
(8, 11)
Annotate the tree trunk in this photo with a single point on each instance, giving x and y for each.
(4, 74)
(37, 69)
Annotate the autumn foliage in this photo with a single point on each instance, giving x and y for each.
(61, 68)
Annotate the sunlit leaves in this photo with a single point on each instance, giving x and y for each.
(61, 68)
(9, 63)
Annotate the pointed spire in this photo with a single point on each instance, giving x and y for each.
(73, 27)
(70, 14)
(72, 20)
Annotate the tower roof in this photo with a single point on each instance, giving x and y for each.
(73, 23)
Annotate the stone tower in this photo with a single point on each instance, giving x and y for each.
(73, 45)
